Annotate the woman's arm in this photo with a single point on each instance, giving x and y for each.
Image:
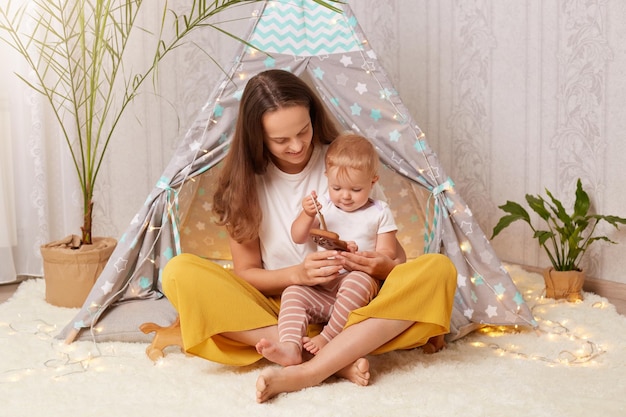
(317, 268)
(386, 244)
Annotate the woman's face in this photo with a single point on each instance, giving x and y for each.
(288, 137)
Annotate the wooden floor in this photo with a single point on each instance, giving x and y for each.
(7, 290)
(620, 306)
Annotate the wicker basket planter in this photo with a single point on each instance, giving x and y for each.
(564, 284)
(70, 273)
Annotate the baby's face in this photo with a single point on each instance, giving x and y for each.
(349, 192)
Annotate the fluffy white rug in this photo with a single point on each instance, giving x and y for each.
(574, 365)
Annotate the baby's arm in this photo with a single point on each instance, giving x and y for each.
(386, 244)
(305, 220)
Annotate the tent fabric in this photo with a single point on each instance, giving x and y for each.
(330, 50)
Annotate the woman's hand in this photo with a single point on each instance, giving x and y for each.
(320, 268)
(317, 268)
(374, 264)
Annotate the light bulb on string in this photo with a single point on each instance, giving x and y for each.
(554, 332)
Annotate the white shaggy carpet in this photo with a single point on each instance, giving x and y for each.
(575, 365)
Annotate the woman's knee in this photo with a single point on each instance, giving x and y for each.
(174, 264)
(435, 261)
(176, 267)
(444, 263)
(443, 267)
(431, 264)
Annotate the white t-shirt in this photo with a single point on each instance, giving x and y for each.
(361, 226)
(280, 198)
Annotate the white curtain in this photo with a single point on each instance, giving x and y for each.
(35, 181)
(40, 199)
(8, 232)
(20, 154)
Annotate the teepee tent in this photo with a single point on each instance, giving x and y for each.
(331, 52)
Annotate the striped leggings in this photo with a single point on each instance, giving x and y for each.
(331, 303)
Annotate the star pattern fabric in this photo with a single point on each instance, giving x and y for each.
(331, 49)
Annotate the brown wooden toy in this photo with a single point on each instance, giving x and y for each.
(325, 238)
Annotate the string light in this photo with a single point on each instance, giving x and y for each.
(67, 359)
(72, 359)
(465, 246)
(236, 71)
(554, 331)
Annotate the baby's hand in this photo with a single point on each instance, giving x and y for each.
(352, 246)
(309, 204)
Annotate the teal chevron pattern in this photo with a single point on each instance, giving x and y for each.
(303, 28)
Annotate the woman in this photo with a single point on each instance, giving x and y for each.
(276, 156)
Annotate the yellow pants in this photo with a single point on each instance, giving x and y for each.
(211, 300)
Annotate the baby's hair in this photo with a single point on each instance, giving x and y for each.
(352, 151)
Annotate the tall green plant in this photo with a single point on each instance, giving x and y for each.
(568, 235)
(77, 51)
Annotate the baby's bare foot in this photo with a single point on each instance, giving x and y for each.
(285, 354)
(314, 344)
(358, 372)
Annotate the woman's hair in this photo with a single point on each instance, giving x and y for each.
(351, 151)
(235, 201)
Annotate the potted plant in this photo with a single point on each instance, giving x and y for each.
(78, 53)
(566, 239)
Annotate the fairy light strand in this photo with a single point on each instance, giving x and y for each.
(68, 361)
(554, 330)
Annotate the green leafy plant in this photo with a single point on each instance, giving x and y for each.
(78, 52)
(568, 235)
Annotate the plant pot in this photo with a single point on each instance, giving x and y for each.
(564, 284)
(70, 273)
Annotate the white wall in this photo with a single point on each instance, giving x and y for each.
(516, 96)
(513, 95)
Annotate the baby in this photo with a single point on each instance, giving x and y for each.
(366, 224)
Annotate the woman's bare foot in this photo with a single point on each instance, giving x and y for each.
(358, 372)
(314, 344)
(285, 353)
(274, 381)
(434, 344)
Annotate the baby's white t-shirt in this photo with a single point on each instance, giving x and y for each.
(280, 199)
